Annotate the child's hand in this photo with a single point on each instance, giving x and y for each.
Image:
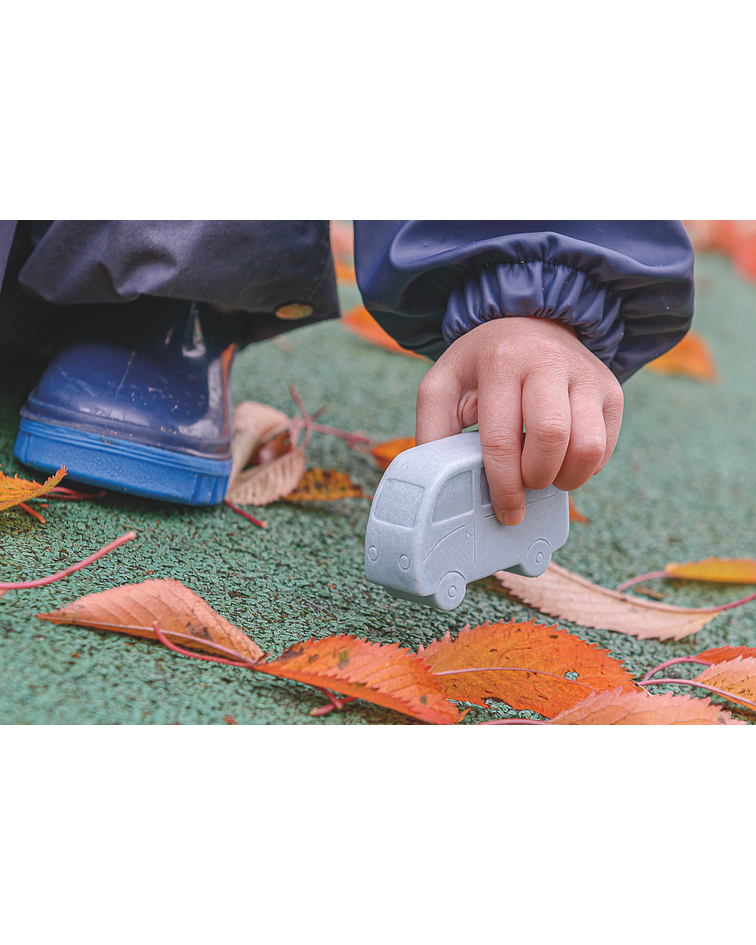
(533, 370)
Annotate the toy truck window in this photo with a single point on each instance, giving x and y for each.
(485, 495)
(455, 497)
(398, 503)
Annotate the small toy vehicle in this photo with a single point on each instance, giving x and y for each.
(432, 528)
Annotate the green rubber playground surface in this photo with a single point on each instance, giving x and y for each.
(680, 487)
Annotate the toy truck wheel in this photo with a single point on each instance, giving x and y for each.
(450, 591)
(537, 558)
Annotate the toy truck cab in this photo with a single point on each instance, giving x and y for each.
(432, 527)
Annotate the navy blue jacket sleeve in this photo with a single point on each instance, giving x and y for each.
(625, 286)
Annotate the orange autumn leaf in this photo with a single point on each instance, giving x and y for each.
(382, 673)
(344, 271)
(521, 664)
(14, 491)
(385, 453)
(737, 677)
(690, 357)
(561, 593)
(181, 614)
(723, 570)
(576, 516)
(720, 654)
(361, 323)
(643, 708)
(324, 485)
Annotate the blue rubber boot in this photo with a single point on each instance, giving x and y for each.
(145, 409)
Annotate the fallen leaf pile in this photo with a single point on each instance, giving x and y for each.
(522, 664)
(268, 462)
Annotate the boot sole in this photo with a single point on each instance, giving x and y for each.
(121, 465)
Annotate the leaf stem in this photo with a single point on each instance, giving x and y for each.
(672, 662)
(251, 518)
(642, 577)
(699, 685)
(30, 511)
(700, 610)
(71, 495)
(244, 664)
(334, 703)
(511, 669)
(111, 546)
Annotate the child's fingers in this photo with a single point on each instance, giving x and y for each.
(438, 398)
(548, 423)
(613, 407)
(587, 445)
(500, 423)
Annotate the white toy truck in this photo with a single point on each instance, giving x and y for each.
(432, 528)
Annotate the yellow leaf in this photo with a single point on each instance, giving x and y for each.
(724, 570)
(324, 485)
(13, 491)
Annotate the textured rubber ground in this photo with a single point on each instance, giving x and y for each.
(680, 487)
(120, 465)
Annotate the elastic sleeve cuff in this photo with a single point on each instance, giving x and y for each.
(536, 289)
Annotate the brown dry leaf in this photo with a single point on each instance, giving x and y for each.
(737, 677)
(382, 673)
(643, 708)
(690, 357)
(16, 490)
(724, 570)
(526, 647)
(251, 423)
(270, 481)
(384, 453)
(560, 593)
(361, 322)
(325, 485)
(134, 608)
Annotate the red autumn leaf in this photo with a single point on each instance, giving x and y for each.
(522, 664)
(361, 323)
(690, 357)
(344, 271)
